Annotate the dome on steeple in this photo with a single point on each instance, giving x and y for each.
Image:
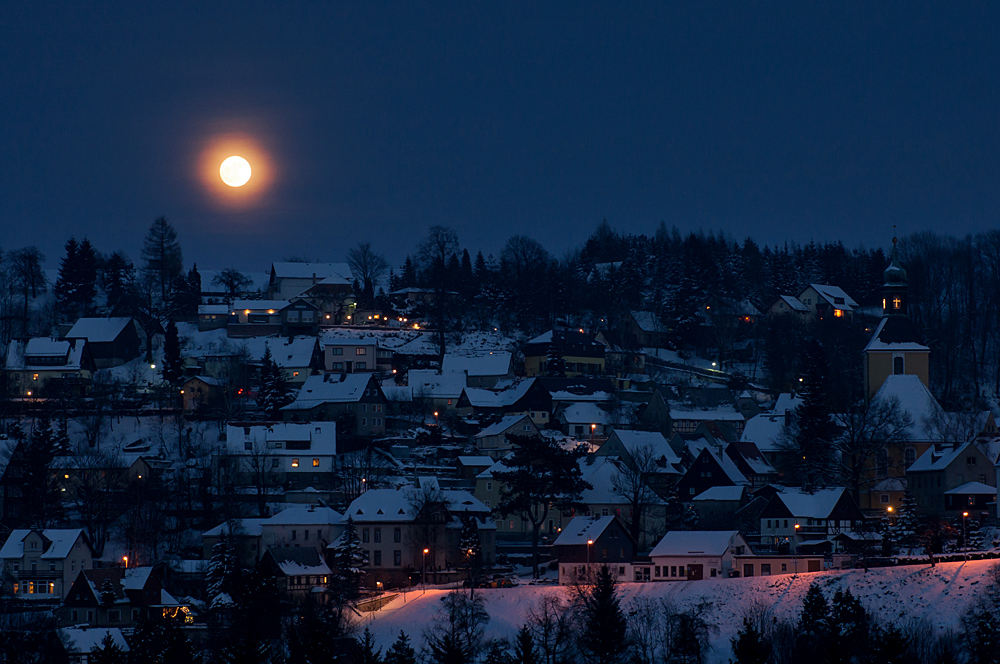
(894, 275)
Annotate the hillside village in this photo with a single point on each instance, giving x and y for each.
(326, 431)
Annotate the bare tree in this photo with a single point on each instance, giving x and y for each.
(429, 510)
(552, 629)
(367, 265)
(27, 277)
(866, 429)
(101, 482)
(233, 281)
(631, 482)
(439, 246)
(362, 470)
(260, 467)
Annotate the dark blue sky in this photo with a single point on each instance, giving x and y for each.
(784, 121)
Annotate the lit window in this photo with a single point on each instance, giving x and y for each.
(295, 463)
(315, 463)
(34, 377)
(837, 313)
(295, 374)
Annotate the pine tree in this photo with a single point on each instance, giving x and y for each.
(401, 651)
(109, 652)
(813, 634)
(471, 548)
(42, 498)
(117, 277)
(162, 256)
(273, 392)
(604, 624)
(496, 653)
(350, 561)
(524, 647)
(86, 274)
(903, 526)
(172, 369)
(811, 443)
(363, 651)
(67, 281)
(222, 572)
(750, 646)
(555, 365)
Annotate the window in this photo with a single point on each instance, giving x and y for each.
(489, 486)
(359, 351)
(293, 535)
(360, 365)
(364, 408)
(786, 523)
(293, 316)
(364, 421)
(307, 316)
(673, 570)
(397, 558)
(784, 567)
(768, 523)
(365, 535)
(397, 535)
(115, 615)
(336, 351)
(315, 463)
(656, 571)
(510, 525)
(909, 456)
(748, 569)
(378, 558)
(274, 463)
(305, 535)
(882, 463)
(884, 498)
(17, 566)
(338, 366)
(897, 365)
(765, 569)
(378, 535)
(295, 463)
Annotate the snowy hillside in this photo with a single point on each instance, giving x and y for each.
(938, 594)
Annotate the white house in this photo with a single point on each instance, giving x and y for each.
(42, 564)
(493, 439)
(696, 554)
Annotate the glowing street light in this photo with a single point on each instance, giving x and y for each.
(965, 534)
(423, 577)
(125, 560)
(590, 543)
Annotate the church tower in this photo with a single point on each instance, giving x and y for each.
(895, 347)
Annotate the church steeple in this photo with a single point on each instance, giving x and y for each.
(894, 288)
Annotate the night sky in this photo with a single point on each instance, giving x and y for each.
(373, 121)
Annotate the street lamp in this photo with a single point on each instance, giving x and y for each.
(590, 543)
(125, 560)
(423, 577)
(965, 534)
(378, 584)
(795, 544)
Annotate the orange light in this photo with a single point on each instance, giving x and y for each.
(426, 551)
(589, 542)
(125, 560)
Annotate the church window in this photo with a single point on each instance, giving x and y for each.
(897, 303)
(882, 463)
(910, 456)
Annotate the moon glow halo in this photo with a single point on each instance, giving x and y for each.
(235, 171)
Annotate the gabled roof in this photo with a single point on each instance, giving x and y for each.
(259, 305)
(21, 355)
(399, 504)
(306, 515)
(786, 401)
(973, 488)
(60, 543)
(98, 330)
(632, 441)
(297, 352)
(320, 438)
(580, 529)
(427, 383)
(647, 321)
(749, 459)
(488, 363)
(695, 542)
(299, 561)
(601, 476)
(914, 398)
(330, 388)
(503, 425)
(725, 493)
(793, 303)
(702, 446)
(502, 395)
(816, 505)
(584, 413)
(896, 333)
(83, 640)
(764, 431)
(938, 457)
(833, 293)
(334, 272)
(241, 527)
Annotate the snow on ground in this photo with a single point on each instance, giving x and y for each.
(939, 595)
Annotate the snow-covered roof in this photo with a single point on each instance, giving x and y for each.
(914, 398)
(816, 505)
(764, 430)
(833, 293)
(973, 488)
(895, 334)
(340, 272)
(584, 413)
(61, 541)
(306, 515)
(403, 342)
(695, 542)
(634, 440)
(731, 493)
(938, 457)
(793, 303)
(319, 438)
(398, 393)
(297, 352)
(476, 461)
(601, 476)
(217, 309)
(136, 577)
(506, 393)
(83, 640)
(647, 321)
(728, 466)
(398, 504)
(580, 529)
(427, 383)
(299, 561)
(505, 423)
(98, 330)
(21, 355)
(330, 388)
(786, 401)
(722, 413)
(544, 338)
(489, 363)
(247, 527)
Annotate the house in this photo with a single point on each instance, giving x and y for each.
(521, 396)
(410, 529)
(293, 455)
(289, 279)
(469, 467)
(611, 492)
(975, 498)
(493, 440)
(644, 329)
(583, 420)
(717, 506)
(298, 572)
(648, 450)
(40, 364)
(786, 305)
(709, 469)
(138, 592)
(687, 418)
(752, 464)
(112, 341)
(42, 564)
(297, 357)
(302, 526)
(796, 520)
(826, 302)
(356, 400)
(581, 353)
(212, 317)
(349, 354)
(757, 565)
(202, 393)
(589, 542)
(437, 391)
(482, 368)
(255, 318)
(79, 642)
(244, 536)
(696, 554)
(301, 317)
(945, 467)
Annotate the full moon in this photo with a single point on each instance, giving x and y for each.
(235, 171)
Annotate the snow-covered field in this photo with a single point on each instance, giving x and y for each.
(939, 595)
